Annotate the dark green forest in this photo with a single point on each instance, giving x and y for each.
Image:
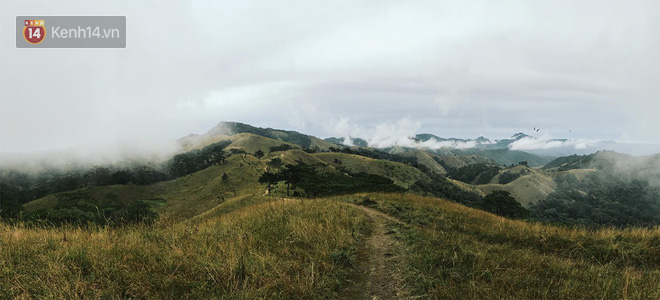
(601, 199)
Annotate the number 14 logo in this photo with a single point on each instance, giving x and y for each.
(34, 31)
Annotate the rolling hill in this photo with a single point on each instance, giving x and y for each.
(220, 232)
(532, 187)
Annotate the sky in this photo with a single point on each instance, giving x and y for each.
(338, 68)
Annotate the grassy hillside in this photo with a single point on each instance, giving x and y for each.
(459, 161)
(247, 141)
(428, 160)
(402, 175)
(453, 252)
(196, 193)
(274, 250)
(532, 187)
(183, 197)
(396, 245)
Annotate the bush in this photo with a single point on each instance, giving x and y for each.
(283, 147)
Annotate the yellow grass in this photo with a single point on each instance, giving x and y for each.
(279, 249)
(457, 252)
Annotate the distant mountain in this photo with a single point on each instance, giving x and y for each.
(496, 150)
(224, 129)
(354, 141)
(536, 151)
(428, 140)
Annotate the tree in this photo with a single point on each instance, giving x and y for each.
(501, 203)
(259, 154)
(269, 179)
(219, 157)
(296, 174)
(10, 207)
(121, 177)
(100, 175)
(225, 177)
(275, 163)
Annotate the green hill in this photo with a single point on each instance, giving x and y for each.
(179, 198)
(532, 187)
(402, 175)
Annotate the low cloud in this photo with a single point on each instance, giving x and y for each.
(124, 152)
(532, 143)
(401, 133)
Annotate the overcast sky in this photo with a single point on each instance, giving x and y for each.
(334, 68)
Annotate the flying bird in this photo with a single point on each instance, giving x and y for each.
(537, 130)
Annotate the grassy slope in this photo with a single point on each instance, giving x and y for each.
(130, 192)
(526, 189)
(425, 158)
(402, 175)
(248, 141)
(458, 161)
(274, 250)
(185, 196)
(198, 192)
(263, 247)
(455, 252)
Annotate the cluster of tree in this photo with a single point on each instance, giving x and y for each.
(78, 208)
(10, 206)
(479, 173)
(283, 147)
(601, 199)
(503, 204)
(23, 187)
(199, 159)
(509, 176)
(316, 184)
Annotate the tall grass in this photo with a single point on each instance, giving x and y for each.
(457, 252)
(279, 249)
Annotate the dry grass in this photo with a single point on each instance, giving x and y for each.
(278, 249)
(460, 253)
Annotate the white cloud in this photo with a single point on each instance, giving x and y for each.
(454, 68)
(401, 133)
(532, 143)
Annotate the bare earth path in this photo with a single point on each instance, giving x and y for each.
(378, 263)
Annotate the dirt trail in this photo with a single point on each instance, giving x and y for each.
(378, 263)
